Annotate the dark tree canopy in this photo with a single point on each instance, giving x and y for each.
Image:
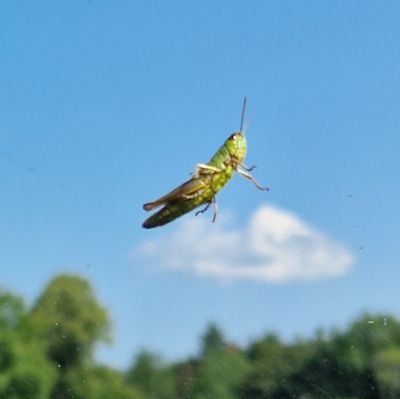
(46, 352)
(69, 318)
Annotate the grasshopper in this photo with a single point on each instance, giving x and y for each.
(206, 181)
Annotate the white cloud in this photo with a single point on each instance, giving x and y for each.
(276, 246)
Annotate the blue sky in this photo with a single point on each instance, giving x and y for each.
(107, 105)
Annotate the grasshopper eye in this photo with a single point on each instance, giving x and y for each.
(233, 136)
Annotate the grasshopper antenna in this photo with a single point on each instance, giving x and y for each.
(243, 113)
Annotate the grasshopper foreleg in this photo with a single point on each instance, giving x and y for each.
(247, 175)
(212, 202)
(246, 168)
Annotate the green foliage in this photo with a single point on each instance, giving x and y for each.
(220, 374)
(152, 377)
(372, 333)
(43, 349)
(11, 310)
(342, 365)
(69, 319)
(386, 365)
(272, 364)
(325, 375)
(221, 370)
(185, 376)
(26, 371)
(46, 353)
(95, 383)
(213, 339)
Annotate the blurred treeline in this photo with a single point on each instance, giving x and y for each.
(46, 351)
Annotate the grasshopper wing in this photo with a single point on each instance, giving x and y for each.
(190, 189)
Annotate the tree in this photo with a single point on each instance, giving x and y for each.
(370, 334)
(12, 311)
(272, 364)
(99, 382)
(324, 375)
(152, 377)
(220, 374)
(69, 319)
(185, 376)
(25, 371)
(387, 370)
(212, 340)
(24, 368)
(357, 363)
(221, 370)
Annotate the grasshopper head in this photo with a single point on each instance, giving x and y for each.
(236, 143)
(237, 146)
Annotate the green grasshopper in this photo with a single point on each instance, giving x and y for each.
(207, 179)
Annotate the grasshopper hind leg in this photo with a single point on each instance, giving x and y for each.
(212, 202)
